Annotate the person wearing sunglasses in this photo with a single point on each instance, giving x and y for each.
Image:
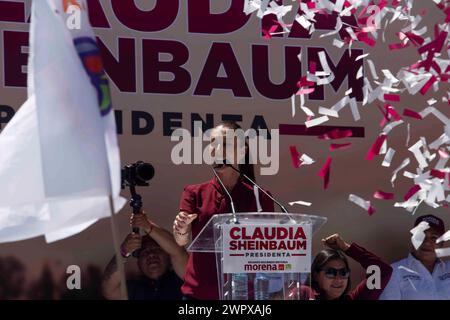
(330, 271)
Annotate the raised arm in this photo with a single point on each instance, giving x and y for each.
(166, 241)
(111, 278)
(365, 259)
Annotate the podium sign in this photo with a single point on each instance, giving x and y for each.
(273, 247)
(259, 255)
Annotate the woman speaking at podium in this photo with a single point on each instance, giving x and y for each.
(199, 202)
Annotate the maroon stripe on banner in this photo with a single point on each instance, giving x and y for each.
(12, 11)
(236, 255)
(298, 254)
(302, 130)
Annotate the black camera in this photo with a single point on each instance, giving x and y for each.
(137, 174)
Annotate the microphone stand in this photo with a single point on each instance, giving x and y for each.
(234, 219)
(283, 208)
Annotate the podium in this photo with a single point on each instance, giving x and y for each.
(260, 255)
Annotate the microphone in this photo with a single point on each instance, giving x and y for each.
(221, 165)
(262, 190)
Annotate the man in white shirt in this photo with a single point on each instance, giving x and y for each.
(422, 275)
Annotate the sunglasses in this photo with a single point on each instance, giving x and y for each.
(332, 273)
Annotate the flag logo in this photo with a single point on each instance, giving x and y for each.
(90, 56)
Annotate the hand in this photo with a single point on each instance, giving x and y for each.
(132, 243)
(141, 221)
(335, 242)
(183, 221)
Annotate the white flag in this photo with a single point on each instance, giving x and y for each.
(59, 156)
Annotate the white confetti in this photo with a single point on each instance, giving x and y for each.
(415, 149)
(388, 158)
(316, 121)
(302, 203)
(418, 234)
(402, 165)
(408, 134)
(442, 252)
(307, 111)
(328, 112)
(391, 126)
(444, 237)
(366, 205)
(306, 160)
(439, 141)
(354, 109)
(359, 74)
(361, 56)
(372, 69)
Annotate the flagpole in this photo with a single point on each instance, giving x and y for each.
(119, 258)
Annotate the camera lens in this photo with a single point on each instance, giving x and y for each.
(145, 171)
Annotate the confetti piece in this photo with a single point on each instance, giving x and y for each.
(324, 173)
(408, 134)
(375, 149)
(383, 148)
(302, 203)
(388, 158)
(439, 141)
(328, 112)
(400, 167)
(316, 121)
(306, 160)
(392, 112)
(408, 205)
(418, 234)
(391, 126)
(410, 175)
(361, 56)
(410, 113)
(428, 85)
(391, 97)
(295, 156)
(307, 111)
(415, 149)
(372, 69)
(442, 252)
(366, 205)
(414, 189)
(387, 73)
(431, 101)
(435, 194)
(359, 74)
(437, 174)
(443, 154)
(354, 109)
(444, 237)
(335, 146)
(383, 195)
(293, 105)
(305, 91)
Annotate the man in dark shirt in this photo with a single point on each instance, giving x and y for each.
(160, 260)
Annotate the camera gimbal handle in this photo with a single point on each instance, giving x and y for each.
(136, 204)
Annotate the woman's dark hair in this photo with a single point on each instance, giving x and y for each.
(321, 259)
(246, 167)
